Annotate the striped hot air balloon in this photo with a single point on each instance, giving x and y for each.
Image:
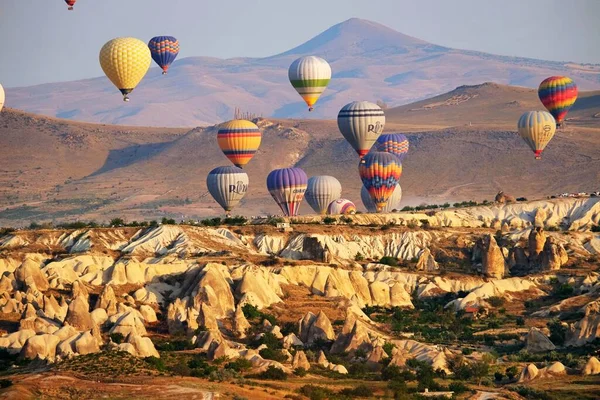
(125, 62)
(70, 3)
(394, 143)
(380, 173)
(537, 129)
(2, 98)
(164, 50)
(361, 123)
(558, 94)
(239, 140)
(393, 202)
(310, 76)
(321, 191)
(341, 206)
(227, 185)
(287, 186)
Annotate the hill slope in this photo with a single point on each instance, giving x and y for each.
(56, 169)
(369, 61)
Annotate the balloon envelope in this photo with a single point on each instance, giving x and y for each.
(227, 185)
(310, 76)
(537, 129)
(164, 50)
(125, 61)
(239, 140)
(558, 94)
(2, 98)
(70, 3)
(321, 191)
(361, 123)
(394, 143)
(287, 186)
(393, 202)
(341, 206)
(380, 173)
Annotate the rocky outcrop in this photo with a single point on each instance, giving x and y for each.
(553, 256)
(493, 263)
(78, 314)
(537, 240)
(126, 323)
(240, 323)
(300, 361)
(426, 262)
(503, 198)
(587, 329)
(139, 346)
(28, 273)
(314, 327)
(107, 300)
(40, 346)
(537, 342)
(592, 367)
(529, 373)
(291, 340)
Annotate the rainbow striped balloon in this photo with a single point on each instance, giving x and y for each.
(164, 50)
(394, 143)
(341, 206)
(380, 173)
(239, 140)
(558, 94)
(287, 186)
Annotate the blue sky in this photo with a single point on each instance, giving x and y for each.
(43, 42)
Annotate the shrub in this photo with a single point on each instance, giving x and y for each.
(563, 291)
(315, 392)
(235, 221)
(595, 228)
(239, 365)
(272, 373)
(329, 220)
(391, 261)
(250, 311)
(458, 387)
(558, 332)
(511, 372)
(273, 354)
(359, 391)
(496, 301)
(388, 348)
(520, 321)
(346, 220)
(117, 337)
(359, 257)
(211, 222)
(116, 222)
(156, 363)
(300, 372)
(498, 376)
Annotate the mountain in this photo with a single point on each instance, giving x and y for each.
(369, 61)
(55, 169)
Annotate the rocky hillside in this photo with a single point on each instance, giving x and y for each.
(379, 298)
(366, 58)
(98, 172)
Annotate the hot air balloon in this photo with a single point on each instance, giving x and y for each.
(393, 202)
(2, 98)
(287, 186)
(70, 3)
(164, 50)
(341, 206)
(239, 140)
(558, 94)
(227, 185)
(310, 76)
(125, 61)
(380, 173)
(394, 143)
(361, 123)
(321, 191)
(537, 128)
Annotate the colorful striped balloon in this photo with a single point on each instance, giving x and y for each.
(380, 173)
(394, 143)
(392, 204)
(70, 3)
(341, 206)
(239, 140)
(1, 97)
(558, 94)
(361, 123)
(164, 50)
(287, 186)
(537, 129)
(310, 76)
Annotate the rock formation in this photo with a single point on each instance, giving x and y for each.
(493, 263)
(537, 342)
(537, 240)
(553, 255)
(30, 269)
(426, 262)
(592, 367)
(529, 373)
(300, 361)
(78, 314)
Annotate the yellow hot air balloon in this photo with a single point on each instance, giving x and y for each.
(537, 129)
(239, 140)
(125, 61)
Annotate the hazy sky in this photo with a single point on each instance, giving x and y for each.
(43, 42)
